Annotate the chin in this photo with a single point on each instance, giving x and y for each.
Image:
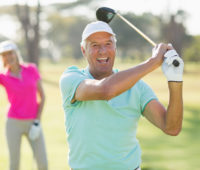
(106, 72)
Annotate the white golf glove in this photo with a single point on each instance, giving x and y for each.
(35, 130)
(171, 72)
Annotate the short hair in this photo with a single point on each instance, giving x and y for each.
(83, 42)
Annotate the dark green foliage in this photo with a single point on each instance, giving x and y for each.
(192, 52)
(63, 31)
(130, 43)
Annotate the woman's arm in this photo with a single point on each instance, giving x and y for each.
(41, 96)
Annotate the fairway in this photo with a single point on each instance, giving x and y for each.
(159, 151)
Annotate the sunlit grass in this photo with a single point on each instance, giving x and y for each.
(159, 151)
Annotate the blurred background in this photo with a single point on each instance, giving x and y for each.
(48, 33)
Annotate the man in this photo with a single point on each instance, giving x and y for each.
(102, 106)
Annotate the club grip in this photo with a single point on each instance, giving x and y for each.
(176, 63)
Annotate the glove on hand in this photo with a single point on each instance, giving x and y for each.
(34, 131)
(171, 72)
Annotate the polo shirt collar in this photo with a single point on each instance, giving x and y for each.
(86, 70)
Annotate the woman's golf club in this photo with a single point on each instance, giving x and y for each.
(107, 14)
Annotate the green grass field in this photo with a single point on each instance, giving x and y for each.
(159, 151)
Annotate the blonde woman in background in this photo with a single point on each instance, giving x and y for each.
(22, 83)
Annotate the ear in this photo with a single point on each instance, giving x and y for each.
(83, 51)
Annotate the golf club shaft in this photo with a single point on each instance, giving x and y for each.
(175, 62)
(137, 30)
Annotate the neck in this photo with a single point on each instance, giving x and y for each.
(15, 69)
(100, 76)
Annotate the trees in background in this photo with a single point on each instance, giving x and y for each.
(174, 31)
(30, 24)
(64, 34)
(29, 19)
(130, 43)
(192, 52)
(59, 32)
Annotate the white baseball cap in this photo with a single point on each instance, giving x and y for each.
(98, 26)
(7, 46)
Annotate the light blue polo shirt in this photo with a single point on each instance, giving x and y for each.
(101, 133)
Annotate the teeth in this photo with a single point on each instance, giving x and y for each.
(102, 58)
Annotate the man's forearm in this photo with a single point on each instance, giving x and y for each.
(174, 115)
(124, 80)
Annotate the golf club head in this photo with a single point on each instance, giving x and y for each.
(105, 14)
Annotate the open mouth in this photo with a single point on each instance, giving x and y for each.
(103, 59)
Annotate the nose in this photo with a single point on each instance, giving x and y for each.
(102, 49)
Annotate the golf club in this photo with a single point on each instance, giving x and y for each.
(107, 14)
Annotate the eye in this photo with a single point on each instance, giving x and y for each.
(95, 45)
(109, 43)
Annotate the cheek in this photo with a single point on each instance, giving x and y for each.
(4, 59)
(10, 59)
(92, 51)
(91, 54)
(112, 51)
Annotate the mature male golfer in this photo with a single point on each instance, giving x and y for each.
(102, 105)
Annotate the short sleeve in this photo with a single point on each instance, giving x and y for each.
(69, 82)
(35, 71)
(1, 77)
(146, 95)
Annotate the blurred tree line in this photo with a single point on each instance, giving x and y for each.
(54, 31)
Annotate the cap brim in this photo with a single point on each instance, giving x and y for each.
(87, 35)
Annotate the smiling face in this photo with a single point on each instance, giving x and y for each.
(9, 59)
(100, 50)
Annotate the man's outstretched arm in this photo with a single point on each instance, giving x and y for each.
(117, 83)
